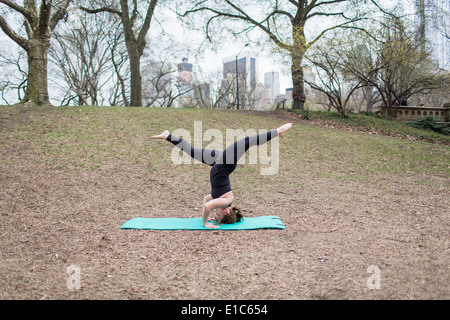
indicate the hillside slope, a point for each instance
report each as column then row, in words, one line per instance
column 71, row 176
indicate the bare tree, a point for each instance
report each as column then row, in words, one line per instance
column 258, row 98
column 15, row 82
column 334, row 81
column 221, row 93
column 135, row 35
column 159, row 76
column 82, row 56
column 226, row 93
column 202, row 96
column 283, row 22
column 120, row 88
column 39, row 24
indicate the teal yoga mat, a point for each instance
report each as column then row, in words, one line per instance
column 248, row 223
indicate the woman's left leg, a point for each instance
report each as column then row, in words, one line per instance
column 234, row 152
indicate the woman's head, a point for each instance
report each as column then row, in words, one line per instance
column 229, row 215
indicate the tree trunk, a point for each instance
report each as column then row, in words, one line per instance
column 370, row 98
column 343, row 112
column 392, row 111
column 37, row 86
column 136, row 79
column 297, row 52
column 298, row 90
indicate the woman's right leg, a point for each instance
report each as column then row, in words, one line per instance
column 206, row 156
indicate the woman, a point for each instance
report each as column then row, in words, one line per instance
column 222, row 165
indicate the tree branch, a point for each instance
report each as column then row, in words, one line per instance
column 281, row 12
column 103, row 9
column 243, row 17
column 340, row 26
column 44, row 17
column 59, row 14
column 26, row 13
column 21, row 41
column 383, row 10
column 146, row 25
column 326, row 2
column 326, row 14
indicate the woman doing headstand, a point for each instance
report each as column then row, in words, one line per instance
column 222, row 163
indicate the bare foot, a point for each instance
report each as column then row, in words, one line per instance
column 283, row 129
column 163, row 135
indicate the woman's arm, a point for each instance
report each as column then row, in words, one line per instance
column 205, row 215
column 214, row 204
column 205, row 200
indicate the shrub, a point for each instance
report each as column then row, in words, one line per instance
column 430, row 123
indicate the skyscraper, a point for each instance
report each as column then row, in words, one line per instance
column 246, row 67
column 433, row 19
column 272, row 83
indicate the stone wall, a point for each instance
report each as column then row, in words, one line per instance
column 413, row 113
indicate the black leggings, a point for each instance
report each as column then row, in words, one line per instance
column 229, row 156
column 223, row 162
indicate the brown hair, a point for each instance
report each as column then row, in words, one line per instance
column 234, row 216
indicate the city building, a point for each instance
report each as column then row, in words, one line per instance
column 246, row 67
column 185, row 72
column 245, row 76
column 272, row 83
column 191, row 94
column 433, row 21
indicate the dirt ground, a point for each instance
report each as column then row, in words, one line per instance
column 388, row 239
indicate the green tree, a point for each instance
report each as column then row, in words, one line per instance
column 395, row 64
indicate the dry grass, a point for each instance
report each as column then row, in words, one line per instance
column 70, row 177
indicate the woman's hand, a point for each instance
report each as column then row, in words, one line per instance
column 211, row 226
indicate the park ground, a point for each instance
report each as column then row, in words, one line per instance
column 367, row 214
